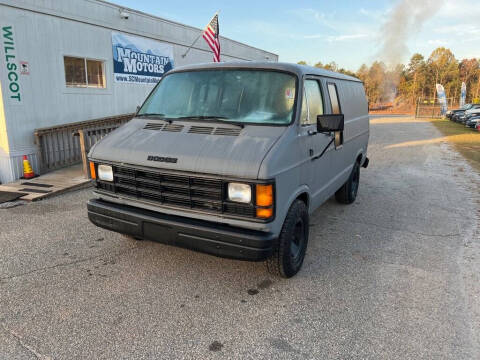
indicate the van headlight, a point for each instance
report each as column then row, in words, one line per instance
column 239, row 192
column 105, row 172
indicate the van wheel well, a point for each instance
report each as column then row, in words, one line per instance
column 303, row 197
column 359, row 159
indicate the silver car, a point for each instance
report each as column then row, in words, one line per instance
column 231, row 159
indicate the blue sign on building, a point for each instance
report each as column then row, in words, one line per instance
column 140, row 60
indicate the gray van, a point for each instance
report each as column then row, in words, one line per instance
column 232, row 158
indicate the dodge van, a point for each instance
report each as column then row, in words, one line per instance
column 231, row 159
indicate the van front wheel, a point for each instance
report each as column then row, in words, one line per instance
column 348, row 192
column 288, row 255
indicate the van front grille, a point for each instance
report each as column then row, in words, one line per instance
column 175, row 190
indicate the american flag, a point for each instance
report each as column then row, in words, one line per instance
column 210, row 34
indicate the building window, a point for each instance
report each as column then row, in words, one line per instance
column 81, row 72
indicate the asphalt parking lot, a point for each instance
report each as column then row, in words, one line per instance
column 396, row 275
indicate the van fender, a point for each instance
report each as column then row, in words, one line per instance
column 360, row 152
column 349, row 168
column 303, row 189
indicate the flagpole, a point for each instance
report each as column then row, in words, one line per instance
column 198, row 37
column 186, row 52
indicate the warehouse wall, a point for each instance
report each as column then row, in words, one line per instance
column 46, row 31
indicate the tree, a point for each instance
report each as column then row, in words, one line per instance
column 413, row 81
column 347, row 72
column 375, row 82
column 302, row 62
column 470, row 74
column 444, row 70
column 332, row 66
column 405, row 84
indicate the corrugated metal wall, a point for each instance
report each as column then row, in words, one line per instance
column 46, row 31
column 12, row 166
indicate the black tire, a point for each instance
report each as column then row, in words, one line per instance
column 348, row 192
column 289, row 252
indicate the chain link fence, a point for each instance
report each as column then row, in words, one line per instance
column 431, row 108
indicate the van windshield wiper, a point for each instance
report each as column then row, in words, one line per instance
column 202, row 117
column 208, row 118
column 151, row 115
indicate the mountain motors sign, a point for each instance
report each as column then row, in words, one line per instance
column 140, row 60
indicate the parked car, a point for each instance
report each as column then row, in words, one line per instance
column 232, row 158
column 473, row 121
column 449, row 114
column 457, row 115
column 469, row 114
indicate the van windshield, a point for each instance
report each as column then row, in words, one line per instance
column 246, row 96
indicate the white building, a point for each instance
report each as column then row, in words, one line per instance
column 57, row 66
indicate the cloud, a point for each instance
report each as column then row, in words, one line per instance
column 309, row 14
column 373, row 14
column 278, row 31
column 459, row 30
column 463, row 10
column 346, row 37
column 315, row 16
column 267, row 28
column 335, row 38
column 365, row 12
column 437, row 42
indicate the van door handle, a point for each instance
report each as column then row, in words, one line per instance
column 312, row 132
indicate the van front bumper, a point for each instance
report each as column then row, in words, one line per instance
column 209, row 237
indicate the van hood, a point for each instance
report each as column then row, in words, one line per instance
column 199, row 147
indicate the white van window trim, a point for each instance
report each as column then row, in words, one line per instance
column 319, row 82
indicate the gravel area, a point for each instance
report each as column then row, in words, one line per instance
column 396, row 275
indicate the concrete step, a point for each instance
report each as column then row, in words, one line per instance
column 51, row 184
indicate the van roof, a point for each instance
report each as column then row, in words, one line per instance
column 297, row 69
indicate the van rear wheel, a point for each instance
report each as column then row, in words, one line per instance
column 288, row 255
column 348, row 192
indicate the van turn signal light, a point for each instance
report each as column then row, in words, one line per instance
column 264, row 213
column 264, row 195
column 264, row 200
column 93, row 174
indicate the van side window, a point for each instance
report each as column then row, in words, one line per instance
column 332, row 92
column 313, row 104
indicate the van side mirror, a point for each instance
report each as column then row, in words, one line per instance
column 330, row 122
column 138, row 109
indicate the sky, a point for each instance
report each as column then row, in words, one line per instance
column 348, row 32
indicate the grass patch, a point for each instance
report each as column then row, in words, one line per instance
column 465, row 140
